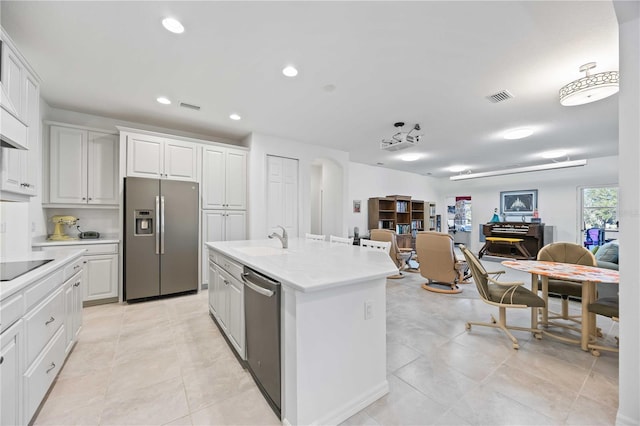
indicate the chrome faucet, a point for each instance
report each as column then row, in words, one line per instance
column 284, row 239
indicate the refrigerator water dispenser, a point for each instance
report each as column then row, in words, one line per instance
column 144, row 222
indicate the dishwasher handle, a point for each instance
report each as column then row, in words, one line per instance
column 256, row 288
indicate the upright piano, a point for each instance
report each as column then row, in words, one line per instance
column 532, row 235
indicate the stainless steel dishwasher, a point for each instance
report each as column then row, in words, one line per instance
column 262, row 324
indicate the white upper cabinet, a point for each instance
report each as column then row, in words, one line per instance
column 224, row 178
column 83, row 166
column 160, row 158
column 19, row 171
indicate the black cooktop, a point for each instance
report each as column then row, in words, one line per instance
column 12, row 270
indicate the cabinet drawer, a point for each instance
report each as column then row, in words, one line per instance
column 72, row 269
column 43, row 322
column 42, row 288
column 231, row 266
column 11, row 310
column 101, row 249
column 39, row 377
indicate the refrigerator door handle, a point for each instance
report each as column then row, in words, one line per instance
column 157, row 224
column 162, row 224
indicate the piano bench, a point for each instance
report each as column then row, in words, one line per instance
column 515, row 242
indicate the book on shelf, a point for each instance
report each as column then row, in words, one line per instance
column 403, row 229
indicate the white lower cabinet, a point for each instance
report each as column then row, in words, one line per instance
column 226, row 300
column 101, row 277
column 11, row 375
column 221, row 225
column 40, row 324
column 73, row 310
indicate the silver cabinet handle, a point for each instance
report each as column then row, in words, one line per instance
column 77, row 284
column 77, row 266
column 1, row 360
column 52, row 319
column 51, row 367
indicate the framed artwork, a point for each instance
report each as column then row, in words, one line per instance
column 356, row 206
column 519, row 203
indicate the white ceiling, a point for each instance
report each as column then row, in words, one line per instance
column 431, row 63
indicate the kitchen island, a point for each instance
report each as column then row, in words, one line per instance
column 333, row 323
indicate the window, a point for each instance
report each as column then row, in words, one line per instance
column 600, row 207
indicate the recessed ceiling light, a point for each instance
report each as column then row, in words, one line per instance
column 456, row 169
column 554, row 154
column 518, row 133
column 173, row 25
column 289, row 71
column 164, row 101
column 235, row 117
column 410, row 157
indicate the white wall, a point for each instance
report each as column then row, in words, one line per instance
column 558, row 201
column 263, row 145
column 371, row 181
column 628, row 14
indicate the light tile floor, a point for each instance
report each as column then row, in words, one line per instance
column 165, row 362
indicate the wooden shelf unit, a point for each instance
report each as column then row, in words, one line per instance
column 401, row 214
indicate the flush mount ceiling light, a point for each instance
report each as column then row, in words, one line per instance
column 457, row 169
column 290, row 71
column 235, row 117
column 589, row 88
column 517, row 133
column 410, row 157
column 539, row 167
column 173, row 25
column 164, row 101
column 554, row 154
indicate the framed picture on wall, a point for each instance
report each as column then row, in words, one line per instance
column 520, row 203
column 356, row 206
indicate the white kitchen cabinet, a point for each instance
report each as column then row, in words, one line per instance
column 221, row 225
column 161, row 158
column 83, row 166
column 226, row 300
column 19, row 176
column 11, row 375
column 101, row 277
column 73, row 310
column 224, row 178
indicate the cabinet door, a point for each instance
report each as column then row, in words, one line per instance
column 102, row 168
column 213, row 178
column 235, row 226
column 212, row 230
column 180, row 159
column 213, row 277
column 11, row 376
column 68, row 165
column 236, row 180
column 235, row 302
column 145, row 156
column 68, row 322
column 101, row 276
column 31, row 161
column 78, row 294
column 12, row 163
column 220, row 297
column 12, row 79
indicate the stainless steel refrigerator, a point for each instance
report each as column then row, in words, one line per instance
column 161, row 237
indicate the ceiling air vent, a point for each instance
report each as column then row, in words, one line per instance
column 503, row 95
column 194, row 107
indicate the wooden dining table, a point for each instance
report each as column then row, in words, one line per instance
column 588, row 276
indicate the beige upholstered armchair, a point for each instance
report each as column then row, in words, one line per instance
column 438, row 263
column 399, row 256
column 502, row 294
column 566, row 253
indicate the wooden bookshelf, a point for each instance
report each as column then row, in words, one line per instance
column 401, row 214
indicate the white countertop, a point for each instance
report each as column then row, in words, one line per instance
column 309, row 265
column 43, row 242
column 60, row 256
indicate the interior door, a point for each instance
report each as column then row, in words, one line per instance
column 282, row 194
